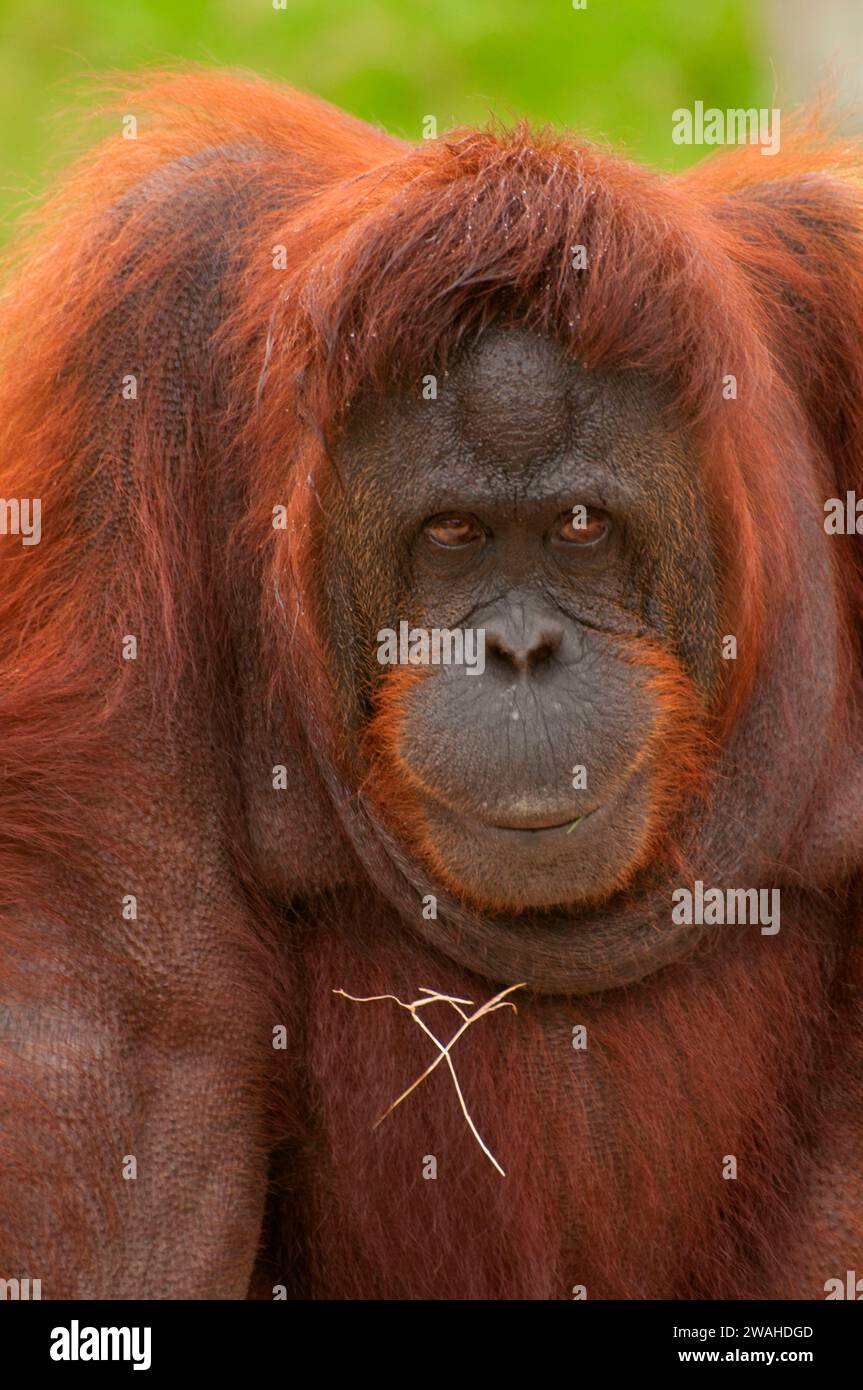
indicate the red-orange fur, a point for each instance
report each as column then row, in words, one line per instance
column 399, row 255
column 613, row 1157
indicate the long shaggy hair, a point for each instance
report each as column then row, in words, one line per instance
column 334, row 262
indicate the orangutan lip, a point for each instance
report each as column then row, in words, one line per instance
column 540, row 827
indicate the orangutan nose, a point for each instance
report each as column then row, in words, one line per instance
column 525, row 639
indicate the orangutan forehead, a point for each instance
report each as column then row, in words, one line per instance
column 516, row 411
column 523, row 396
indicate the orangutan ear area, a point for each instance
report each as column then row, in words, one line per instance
column 431, row 814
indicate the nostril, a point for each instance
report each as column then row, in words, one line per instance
column 499, row 654
column 544, row 651
column 523, row 653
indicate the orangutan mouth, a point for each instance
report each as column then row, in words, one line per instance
column 541, row 827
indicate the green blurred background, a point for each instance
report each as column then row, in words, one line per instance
column 615, row 70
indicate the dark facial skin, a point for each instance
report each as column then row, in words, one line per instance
column 460, row 514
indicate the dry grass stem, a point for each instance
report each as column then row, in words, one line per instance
column 491, row 1006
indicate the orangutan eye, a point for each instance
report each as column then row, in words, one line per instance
column 582, row 526
column 453, row 531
